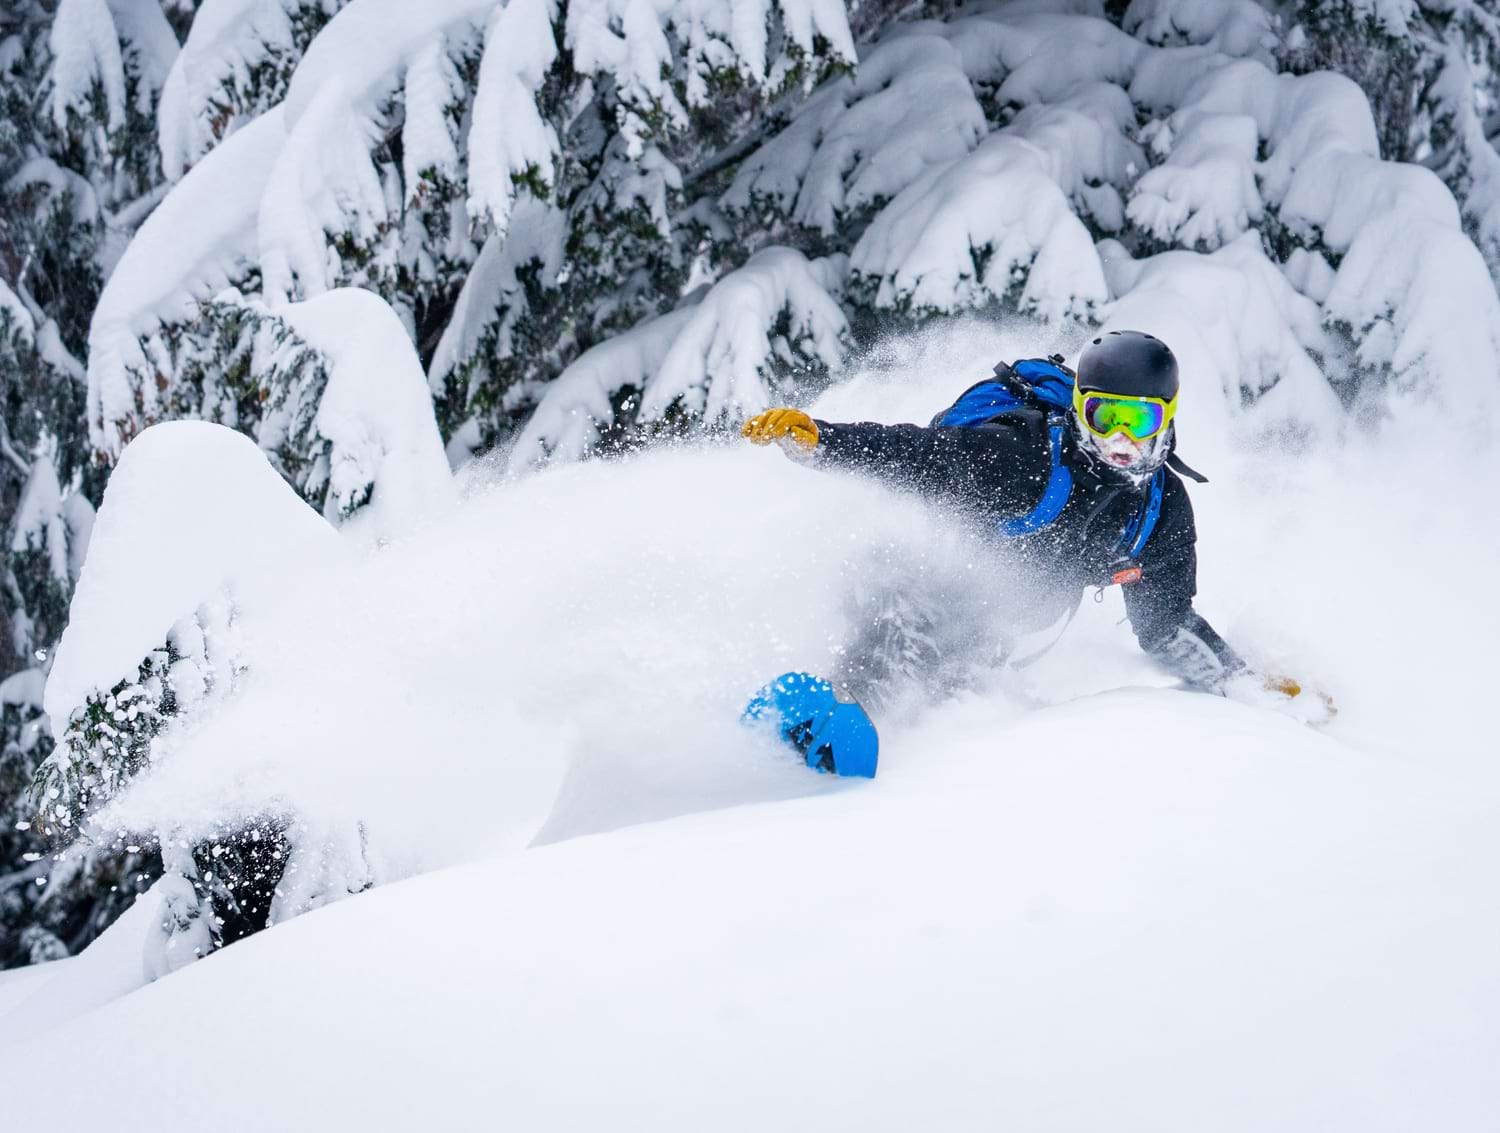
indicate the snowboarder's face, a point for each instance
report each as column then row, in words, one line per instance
column 1121, row 451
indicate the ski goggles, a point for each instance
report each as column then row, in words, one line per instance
column 1139, row 418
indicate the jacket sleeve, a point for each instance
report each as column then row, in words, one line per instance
column 1160, row 604
column 1001, row 467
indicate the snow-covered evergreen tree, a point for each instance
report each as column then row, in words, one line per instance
column 1431, row 71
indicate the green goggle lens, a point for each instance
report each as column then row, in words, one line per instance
column 1140, row 420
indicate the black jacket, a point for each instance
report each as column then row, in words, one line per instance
column 998, row 471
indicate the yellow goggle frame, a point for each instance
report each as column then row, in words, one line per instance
column 1140, row 418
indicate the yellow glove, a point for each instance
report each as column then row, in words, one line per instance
column 1291, row 689
column 782, row 424
column 1284, row 685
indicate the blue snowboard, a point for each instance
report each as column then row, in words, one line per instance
column 832, row 734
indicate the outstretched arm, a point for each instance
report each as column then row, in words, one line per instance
column 1001, row 465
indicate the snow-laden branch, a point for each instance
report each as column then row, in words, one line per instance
column 579, row 406
column 228, row 44
column 719, row 362
column 1204, row 195
column 1087, row 144
column 509, row 143
column 105, row 42
column 626, row 39
column 430, row 137
column 989, row 227
column 1039, row 57
column 39, row 522
column 325, row 181
column 364, row 415
column 863, row 139
column 1472, row 164
column 1406, row 266
column 493, row 297
column 1419, row 303
column 713, row 359
column 1232, row 313
column 22, row 325
column 1234, row 27
column 199, row 240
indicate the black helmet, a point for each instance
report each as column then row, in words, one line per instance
column 1128, row 362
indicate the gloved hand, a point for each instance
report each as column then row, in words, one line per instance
column 786, row 425
column 1282, row 694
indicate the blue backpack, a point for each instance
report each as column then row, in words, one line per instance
column 1046, row 384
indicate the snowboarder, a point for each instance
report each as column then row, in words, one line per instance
column 1077, row 474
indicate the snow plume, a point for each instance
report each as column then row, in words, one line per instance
column 480, row 695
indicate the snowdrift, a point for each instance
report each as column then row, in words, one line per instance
column 1141, row 910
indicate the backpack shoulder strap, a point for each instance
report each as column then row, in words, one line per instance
column 1054, row 496
column 1133, row 541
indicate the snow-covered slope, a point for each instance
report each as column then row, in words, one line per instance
column 1073, row 898
column 1141, row 911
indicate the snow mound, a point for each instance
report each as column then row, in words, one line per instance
column 191, row 510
